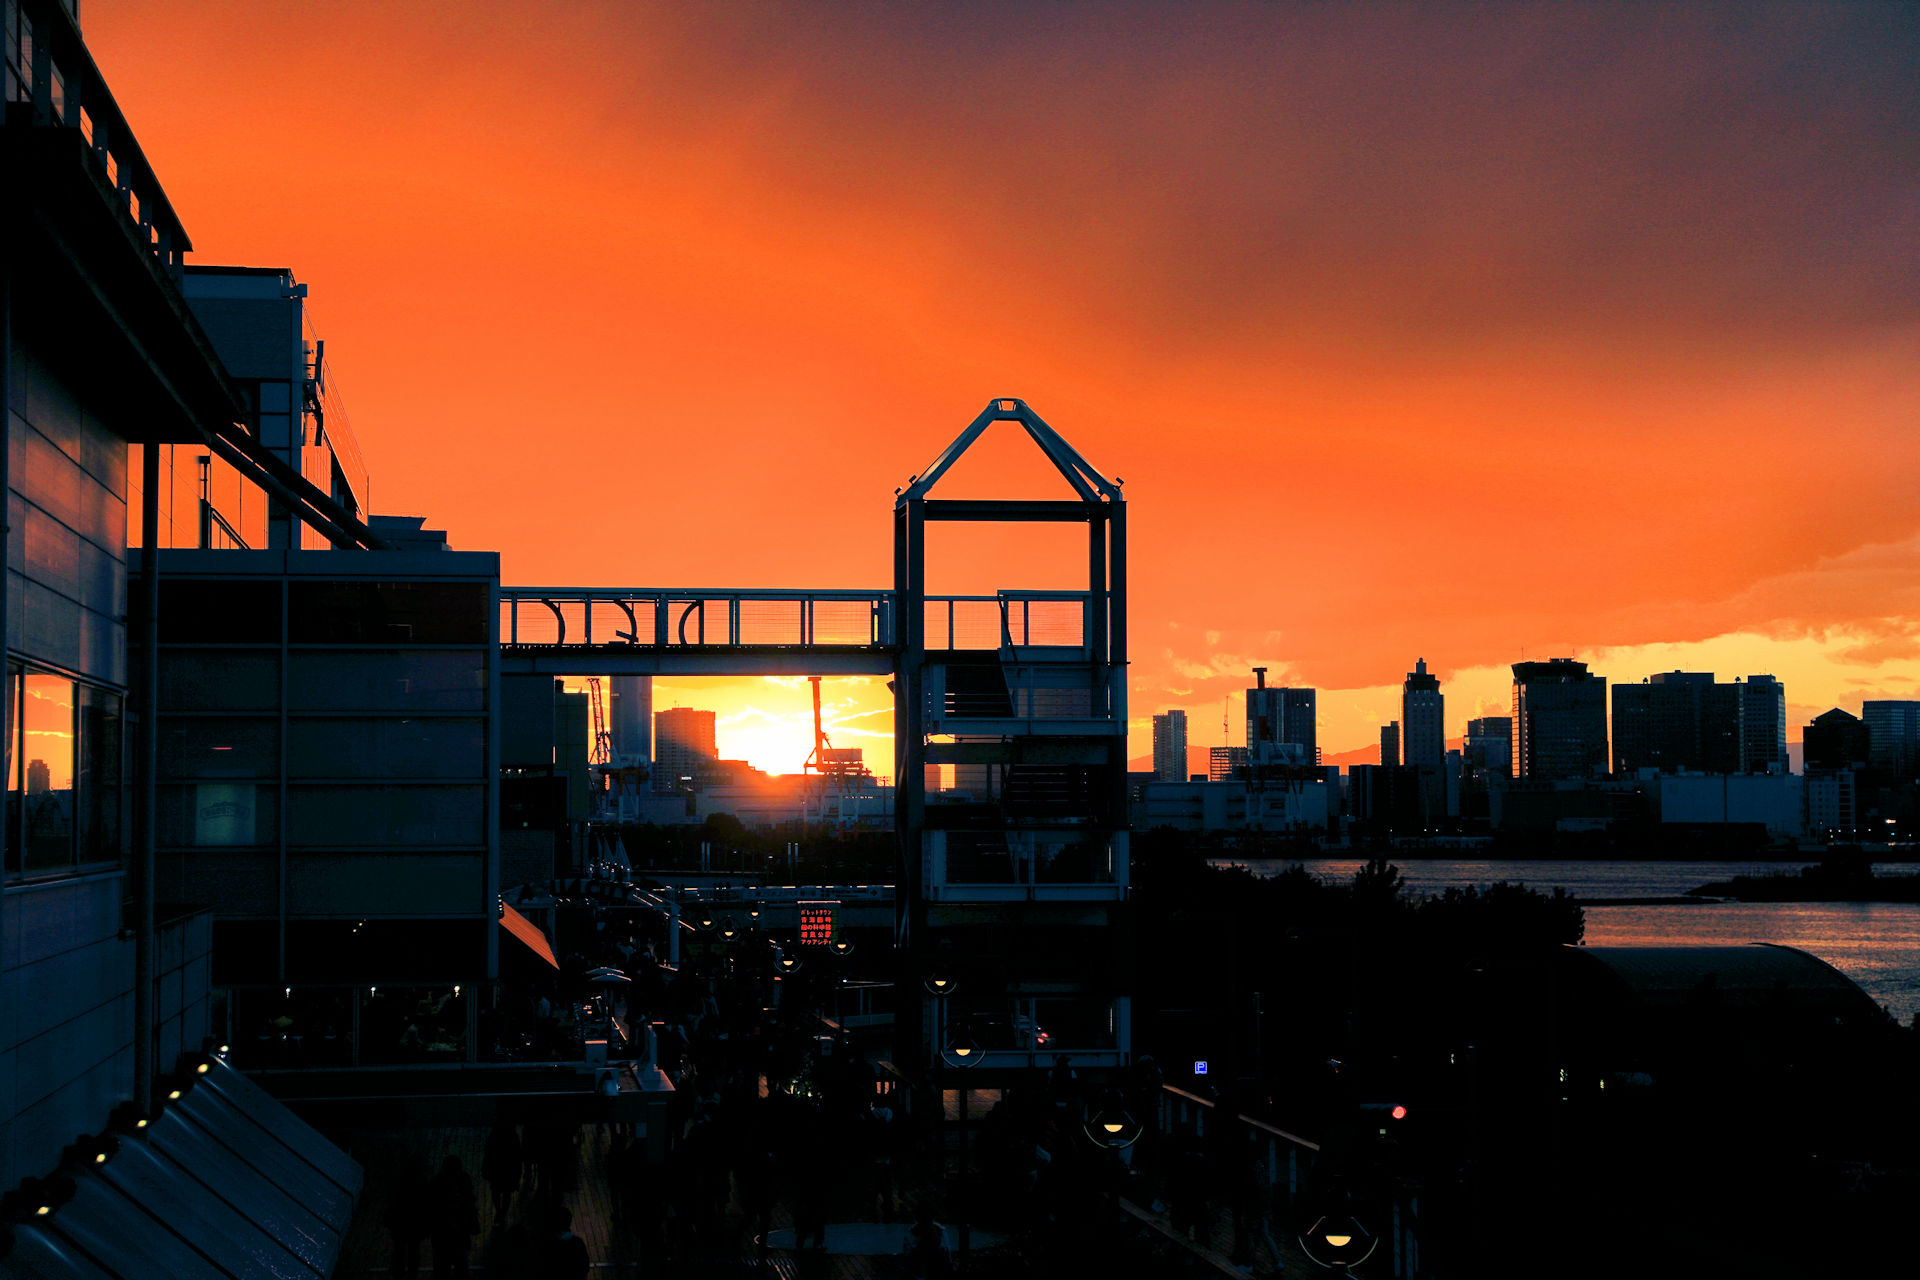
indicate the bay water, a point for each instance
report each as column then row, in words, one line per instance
column 1877, row 944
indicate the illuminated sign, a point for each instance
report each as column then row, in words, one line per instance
column 1200, row 1068
column 818, row 921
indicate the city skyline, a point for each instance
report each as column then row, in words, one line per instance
column 1542, row 308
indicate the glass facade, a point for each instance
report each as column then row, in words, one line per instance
column 326, row 773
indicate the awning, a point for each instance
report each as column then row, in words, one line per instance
column 226, row 1182
column 528, row 932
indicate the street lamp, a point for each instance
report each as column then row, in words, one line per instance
column 1337, row 1241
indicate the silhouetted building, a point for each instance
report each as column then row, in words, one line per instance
column 1280, row 716
column 1836, row 741
column 1657, row 723
column 1225, row 763
column 1423, row 733
column 1489, row 745
column 632, row 718
column 1423, row 739
column 1687, row 721
column 683, row 744
column 1390, row 745
column 1170, row 746
column 1832, row 801
column 1893, row 729
column 1559, row 720
column 1384, row 799
column 1763, row 725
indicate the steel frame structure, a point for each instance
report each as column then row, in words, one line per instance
column 1067, row 727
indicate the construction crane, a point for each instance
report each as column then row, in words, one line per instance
column 601, row 753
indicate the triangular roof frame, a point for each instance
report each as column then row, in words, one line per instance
column 1088, row 483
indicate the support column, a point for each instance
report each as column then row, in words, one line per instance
column 143, row 1064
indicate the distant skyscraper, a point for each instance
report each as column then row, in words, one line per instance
column 1170, row 747
column 1657, row 724
column 1763, row 725
column 1390, row 744
column 1280, row 715
column 683, row 740
column 1225, row 763
column 1559, row 720
column 1490, row 745
column 1836, row 741
column 1893, row 730
column 1423, row 733
column 1687, row 720
column 631, row 716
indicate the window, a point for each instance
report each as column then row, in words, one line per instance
column 63, row 762
column 99, row 777
column 388, row 613
column 46, row 722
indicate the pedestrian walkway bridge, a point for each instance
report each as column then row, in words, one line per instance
column 656, row 631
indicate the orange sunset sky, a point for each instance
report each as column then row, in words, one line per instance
column 1416, row 331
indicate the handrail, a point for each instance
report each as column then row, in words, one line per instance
column 781, row 617
column 67, row 90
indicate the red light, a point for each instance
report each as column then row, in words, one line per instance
column 1399, row 1113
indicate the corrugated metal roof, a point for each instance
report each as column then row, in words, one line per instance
column 212, row 1188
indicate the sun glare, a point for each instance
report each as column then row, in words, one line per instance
column 772, row 744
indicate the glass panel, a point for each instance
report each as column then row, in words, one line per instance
column 387, row 613
column 218, row 813
column 101, row 834
column 386, row 816
column 47, row 723
column 209, row 611
column 235, row 680
column 414, row 1024
column 293, row 1027
column 418, row 680
column 352, row 748
column 12, row 757
column 219, row 747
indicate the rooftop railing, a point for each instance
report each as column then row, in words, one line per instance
column 52, row 83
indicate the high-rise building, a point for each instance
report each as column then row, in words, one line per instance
column 1686, row 720
column 1559, row 720
column 1423, row 733
column 1490, row 745
column 1390, row 744
column 1170, row 746
column 632, row 718
column 1836, row 741
column 1278, row 716
column 1224, row 764
column 1763, row 725
column 1893, row 729
column 1657, row 724
column 683, row 742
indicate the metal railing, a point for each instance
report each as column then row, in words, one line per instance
column 664, row 618
column 57, row 75
column 717, row 618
